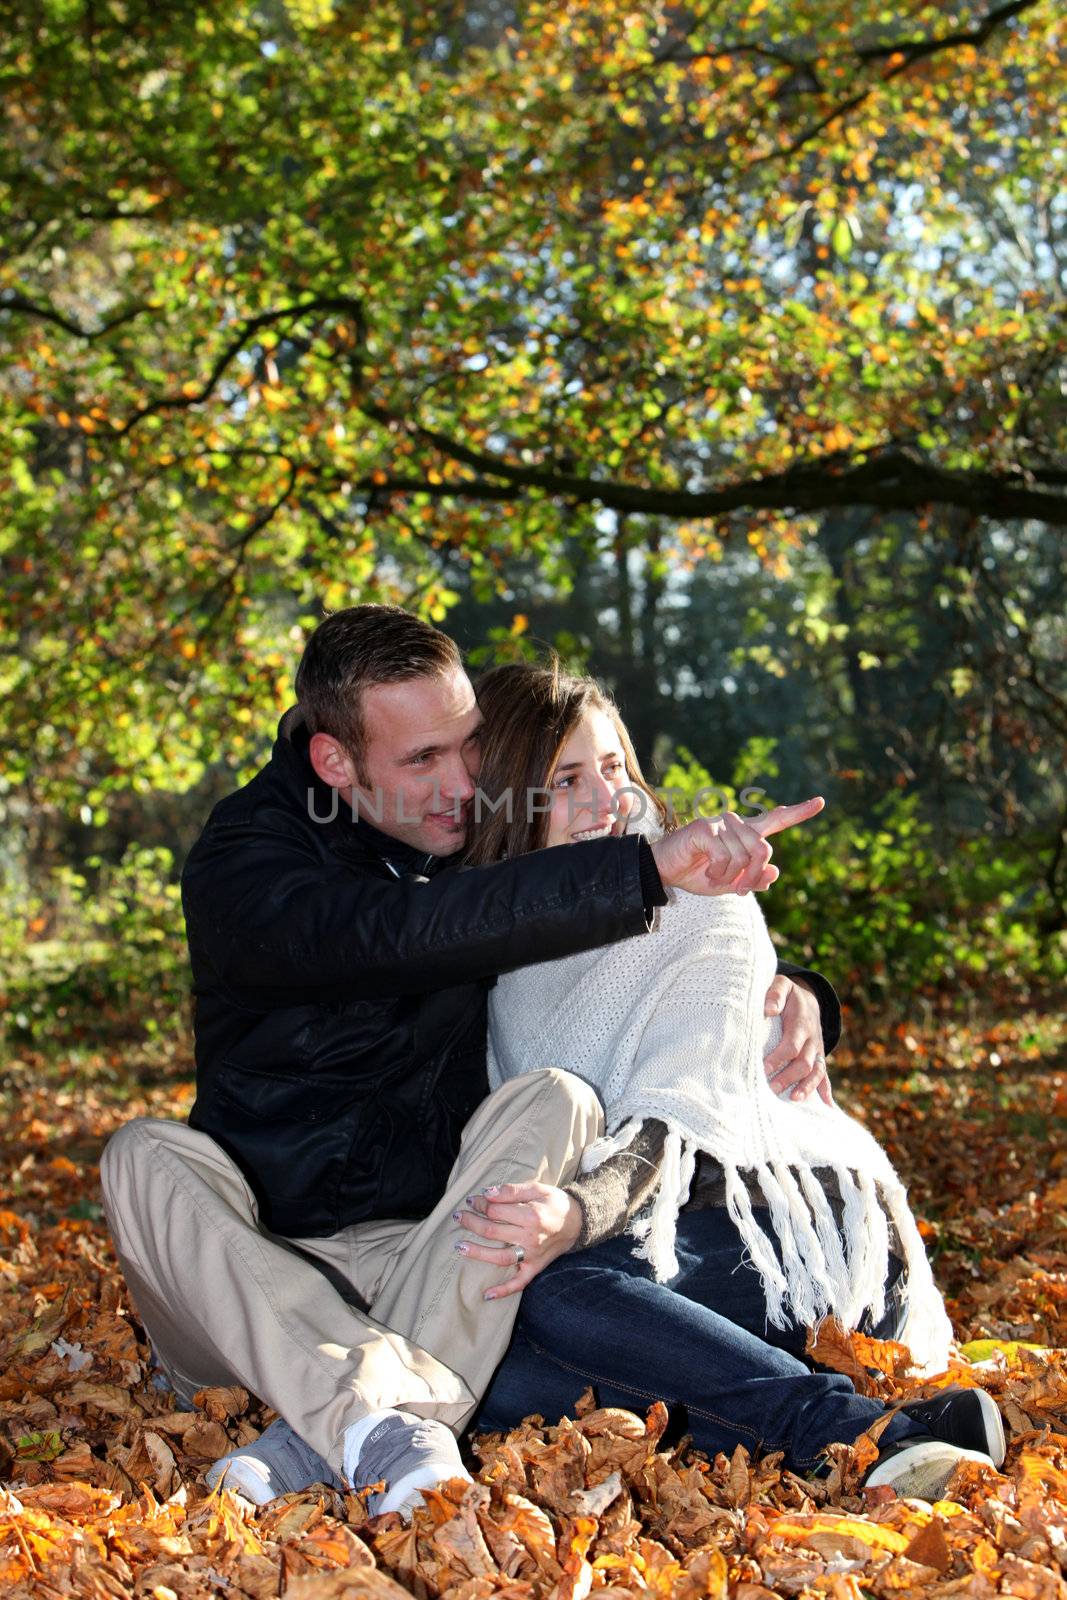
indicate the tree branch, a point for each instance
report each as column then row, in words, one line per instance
column 686, row 58
column 891, row 479
column 180, row 401
column 912, row 51
column 20, row 305
column 455, row 489
column 219, row 595
column 919, row 49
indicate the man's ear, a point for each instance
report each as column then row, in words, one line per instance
column 331, row 761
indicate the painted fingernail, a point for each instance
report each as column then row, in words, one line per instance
column 490, row 1294
column 471, row 1199
column 494, row 1188
column 457, row 1216
column 460, row 1249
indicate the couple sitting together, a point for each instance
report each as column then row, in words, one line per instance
column 470, row 1020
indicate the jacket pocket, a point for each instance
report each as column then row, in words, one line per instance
column 280, row 1043
column 268, row 1095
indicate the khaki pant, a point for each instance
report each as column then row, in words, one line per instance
column 224, row 1301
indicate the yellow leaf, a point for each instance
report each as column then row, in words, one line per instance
column 984, row 1349
column 874, row 1534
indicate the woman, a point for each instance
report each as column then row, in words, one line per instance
column 767, row 1212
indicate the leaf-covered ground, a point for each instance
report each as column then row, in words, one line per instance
column 101, row 1492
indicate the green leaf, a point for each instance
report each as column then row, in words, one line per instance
column 841, row 238
column 40, row 1446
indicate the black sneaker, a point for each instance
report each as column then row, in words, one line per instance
column 967, row 1418
column 920, row 1469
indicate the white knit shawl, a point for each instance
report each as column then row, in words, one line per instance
column 671, row 1027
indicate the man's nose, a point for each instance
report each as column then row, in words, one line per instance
column 457, row 782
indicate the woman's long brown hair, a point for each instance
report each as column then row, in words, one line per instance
column 530, row 712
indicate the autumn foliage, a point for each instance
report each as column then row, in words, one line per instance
column 301, row 300
column 103, row 1492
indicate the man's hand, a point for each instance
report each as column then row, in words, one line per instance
column 727, row 854
column 535, row 1218
column 797, row 1065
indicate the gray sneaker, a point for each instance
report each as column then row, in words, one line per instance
column 920, row 1468
column 279, row 1462
column 406, row 1453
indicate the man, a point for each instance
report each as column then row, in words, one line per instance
column 340, row 969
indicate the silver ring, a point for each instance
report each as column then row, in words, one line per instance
column 520, row 1255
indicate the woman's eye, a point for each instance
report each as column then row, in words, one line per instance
column 563, row 783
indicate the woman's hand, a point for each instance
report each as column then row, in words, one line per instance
column 535, row 1219
column 727, row 854
column 796, row 1067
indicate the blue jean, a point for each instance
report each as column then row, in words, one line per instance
column 701, row 1343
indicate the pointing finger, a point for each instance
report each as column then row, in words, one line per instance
column 783, row 817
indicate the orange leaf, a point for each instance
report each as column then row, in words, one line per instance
column 930, row 1547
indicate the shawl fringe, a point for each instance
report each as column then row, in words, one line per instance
column 809, row 1267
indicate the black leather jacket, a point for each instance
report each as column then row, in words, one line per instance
column 340, row 983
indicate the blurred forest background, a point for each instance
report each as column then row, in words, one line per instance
column 724, row 352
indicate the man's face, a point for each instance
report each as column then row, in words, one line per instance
column 417, row 777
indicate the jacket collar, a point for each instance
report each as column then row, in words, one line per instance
column 291, row 763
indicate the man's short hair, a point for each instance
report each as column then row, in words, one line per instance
column 356, row 648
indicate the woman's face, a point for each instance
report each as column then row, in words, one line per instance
column 585, row 784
